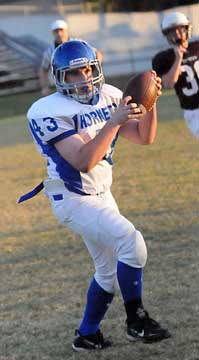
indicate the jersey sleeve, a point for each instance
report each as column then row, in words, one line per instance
column 163, row 61
column 51, row 130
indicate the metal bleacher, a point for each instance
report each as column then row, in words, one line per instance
column 19, row 61
column 128, row 61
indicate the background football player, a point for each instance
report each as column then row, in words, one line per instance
column 76, row 130
column 178, row 66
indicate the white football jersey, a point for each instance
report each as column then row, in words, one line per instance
column 56, row 117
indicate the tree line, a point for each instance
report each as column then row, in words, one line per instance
column 134, row 5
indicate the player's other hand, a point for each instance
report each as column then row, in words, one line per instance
column 179, row 51
column 125, row 111
column 158, row 82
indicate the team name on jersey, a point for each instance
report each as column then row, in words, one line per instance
column 96, row 116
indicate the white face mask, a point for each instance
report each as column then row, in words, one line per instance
column 82, row 91
column 177, row 35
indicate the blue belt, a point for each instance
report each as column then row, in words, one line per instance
column 40, row 187
column 31, row 193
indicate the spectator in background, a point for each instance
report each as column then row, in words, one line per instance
column 60, row 33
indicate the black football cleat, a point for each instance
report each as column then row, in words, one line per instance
column 146, row 329
column 90, row 342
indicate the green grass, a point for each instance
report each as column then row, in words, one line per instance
column 45, row 268
column 18, row 104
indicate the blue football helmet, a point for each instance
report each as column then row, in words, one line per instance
column 75, row 54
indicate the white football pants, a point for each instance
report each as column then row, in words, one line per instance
column 108, row 235
column 192, row 121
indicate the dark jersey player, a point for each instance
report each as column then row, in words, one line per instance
column 178, row 66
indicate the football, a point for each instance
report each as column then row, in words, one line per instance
column 143, row 90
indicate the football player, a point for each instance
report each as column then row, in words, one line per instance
column 76, row 129
column 178, row 66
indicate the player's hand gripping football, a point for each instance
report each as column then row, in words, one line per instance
column 125, row 111
column 158, row 82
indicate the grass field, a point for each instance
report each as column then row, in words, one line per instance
column 45, row 269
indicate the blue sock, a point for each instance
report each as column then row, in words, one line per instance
column 98, row 301
column 130, row 281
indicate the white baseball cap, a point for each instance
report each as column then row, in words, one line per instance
column 59, row 24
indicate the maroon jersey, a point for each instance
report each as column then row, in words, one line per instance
column 187, row 86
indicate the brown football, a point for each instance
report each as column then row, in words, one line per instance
column 143, row 89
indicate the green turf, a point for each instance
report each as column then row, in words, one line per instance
column 45, row 269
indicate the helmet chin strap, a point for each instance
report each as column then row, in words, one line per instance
column 82, row 98
column 85, row 98
column 178, row 42
column 174, row 41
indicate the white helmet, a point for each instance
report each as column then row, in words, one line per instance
column 173, row 20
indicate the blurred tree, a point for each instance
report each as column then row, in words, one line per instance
column 112, row 5
column 134, row 5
